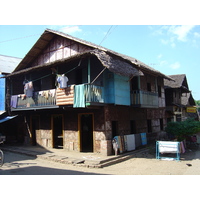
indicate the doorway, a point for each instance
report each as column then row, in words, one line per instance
column 86, row 132
column 35, row 121
column 57, row 131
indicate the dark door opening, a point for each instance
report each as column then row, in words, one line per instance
column 86, row 132
column 57, row 128
column 34, row 129
column 114, row 128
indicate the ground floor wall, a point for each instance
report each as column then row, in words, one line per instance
column 89, row 129
column 129, row 120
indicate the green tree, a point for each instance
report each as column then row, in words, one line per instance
column 183, row 129
column 198, row 104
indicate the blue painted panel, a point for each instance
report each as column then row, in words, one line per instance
column 122, row 90
column 2, row 93
column 116, row 89
column 109, row 92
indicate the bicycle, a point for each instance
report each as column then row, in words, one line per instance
column 1, row 156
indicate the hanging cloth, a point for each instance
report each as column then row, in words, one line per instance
column 144, row 138
column 79, row 96
column 13, row 102
column 62, row 80
column 28, row 89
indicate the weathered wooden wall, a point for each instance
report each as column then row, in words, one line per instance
column 59, row 48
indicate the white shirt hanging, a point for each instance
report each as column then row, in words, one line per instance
column 62, row 80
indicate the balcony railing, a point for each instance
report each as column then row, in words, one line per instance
column 54, row 98
column 94, row 93
column 144, row 99
column 46, row 98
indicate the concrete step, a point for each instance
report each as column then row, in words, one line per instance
column 79, row 162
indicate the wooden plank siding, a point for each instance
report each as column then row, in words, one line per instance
column 65, row 96
column 59, row 48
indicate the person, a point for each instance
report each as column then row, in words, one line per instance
column 115, row 146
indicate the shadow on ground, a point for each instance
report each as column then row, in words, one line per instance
column 17, row 164
column 36, row 170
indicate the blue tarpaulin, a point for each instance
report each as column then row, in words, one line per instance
column 7, row 118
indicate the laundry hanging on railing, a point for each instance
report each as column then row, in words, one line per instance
column 138, row 140
column 28, row 89
column 130, row 142
column 79, row 96
column 144, row 138
column 13, row 102
column 62, row 81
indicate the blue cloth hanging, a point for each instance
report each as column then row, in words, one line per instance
column 79, row 96
column 144, row 138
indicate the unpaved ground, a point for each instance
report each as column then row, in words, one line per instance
column 147, row 164
column 144, row 164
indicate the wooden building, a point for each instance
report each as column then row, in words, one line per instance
column 179, row 99
column 107, row 94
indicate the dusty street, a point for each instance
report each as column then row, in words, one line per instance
column 144, row 164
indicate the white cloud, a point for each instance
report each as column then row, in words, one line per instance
column 171, row 34
column 197, row 35
column 70, row 29
column 175, row 65
column 164, row 41
column 159, row 56
column 170, row 41
column 163, row 62
column 181, row 31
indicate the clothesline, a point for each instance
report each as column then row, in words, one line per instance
column 57, row 73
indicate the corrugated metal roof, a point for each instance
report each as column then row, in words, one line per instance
column 8, row 63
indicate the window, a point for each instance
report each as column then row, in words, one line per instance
column 178, row 118
column 149, row 87
column 149, row 127
column 134, row 83
column 161, row 124
column 159, row 91
column 132, row 127
column 37, row 85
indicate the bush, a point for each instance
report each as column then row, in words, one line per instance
column 183, row 129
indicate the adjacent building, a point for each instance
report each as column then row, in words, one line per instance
column 180, row 104
column 7, row 65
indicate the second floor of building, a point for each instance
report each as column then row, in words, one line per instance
column 95, row 76
column 86, row 83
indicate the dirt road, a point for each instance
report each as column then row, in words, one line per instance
column 144, row 164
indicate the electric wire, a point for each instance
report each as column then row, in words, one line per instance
column 110, row 30
column 27, row 36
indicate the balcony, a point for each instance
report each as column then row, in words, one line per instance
column 144, row 99
column 94, row 94
column 41, row 99
column 74, row 95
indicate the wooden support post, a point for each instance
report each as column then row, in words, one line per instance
column 88, row 70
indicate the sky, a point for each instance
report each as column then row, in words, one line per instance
column 171, row 49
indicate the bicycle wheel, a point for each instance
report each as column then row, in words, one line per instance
column 1, row 158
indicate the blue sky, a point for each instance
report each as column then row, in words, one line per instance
column 171, row 49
